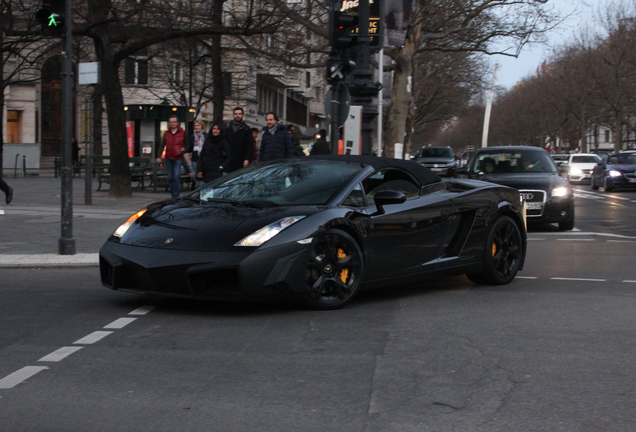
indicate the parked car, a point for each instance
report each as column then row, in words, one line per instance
column 440, row 160
column 531, row 170
column 580, row 166
column 619, row 171
column 317, row 229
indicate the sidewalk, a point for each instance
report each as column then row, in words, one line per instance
column 30, row 227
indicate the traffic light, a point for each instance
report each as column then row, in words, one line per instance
column 342, row 28
column 51, row 17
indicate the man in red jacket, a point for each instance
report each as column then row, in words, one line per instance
column 174, row 140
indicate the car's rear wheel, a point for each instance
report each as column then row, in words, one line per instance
column 503, row 254
column 334, row 270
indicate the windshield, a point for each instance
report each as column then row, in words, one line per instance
column 428, row 152
column 284, row 183
column 585, row 159
column 514, row 162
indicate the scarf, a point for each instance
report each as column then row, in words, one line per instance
column 198, row 141
column 237, row 125
column 273, row 129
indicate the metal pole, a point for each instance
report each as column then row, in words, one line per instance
column 67, row 242
column 363, row 89
column 335, row 113
column 380, row 100
column 88, row 153
column 491, row 91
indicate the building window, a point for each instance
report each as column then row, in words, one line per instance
column 308, row 83
column 14, row 126
column 607, row 135
column 227, row 84
column 136, row 68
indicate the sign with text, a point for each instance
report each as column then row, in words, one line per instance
column 351, row 7
column 88, row 73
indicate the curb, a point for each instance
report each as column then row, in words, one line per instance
column 49, row 260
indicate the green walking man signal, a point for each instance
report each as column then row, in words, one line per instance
column 51, row 17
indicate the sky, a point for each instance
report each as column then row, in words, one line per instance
column 575, row 14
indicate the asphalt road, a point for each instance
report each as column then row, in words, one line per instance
column 552, row 351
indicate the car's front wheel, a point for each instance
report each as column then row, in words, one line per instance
column 503, row 254
column 334, row 271
column 568, row 224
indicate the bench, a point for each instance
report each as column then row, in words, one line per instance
column 159, row 177
column 140, row 169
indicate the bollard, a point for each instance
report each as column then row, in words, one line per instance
column 15, row 166
column 23, row 165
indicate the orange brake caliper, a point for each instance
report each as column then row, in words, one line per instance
column 344, row 274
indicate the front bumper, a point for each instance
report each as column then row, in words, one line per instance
column 554, row 212
column 270, row 274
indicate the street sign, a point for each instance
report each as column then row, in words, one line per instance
column 88, row 73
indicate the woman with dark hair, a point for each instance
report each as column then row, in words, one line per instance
column 214, row 157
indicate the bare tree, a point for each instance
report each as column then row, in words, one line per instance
column 456, row 26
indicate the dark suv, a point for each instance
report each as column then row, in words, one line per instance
column 440, row 160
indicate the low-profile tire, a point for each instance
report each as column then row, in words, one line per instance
column 503, row 254
column 594, row 185
column 568, row 224
column 334, row 270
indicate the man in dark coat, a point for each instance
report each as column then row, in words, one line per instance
column 239, row 137
column 276, row 142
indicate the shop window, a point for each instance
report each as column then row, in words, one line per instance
column 14, row 126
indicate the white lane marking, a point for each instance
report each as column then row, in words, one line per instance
column 535, row 239
column 628, row 281
column 119, row 323
column 574, row 239
column 581, row 233
column 579, row 279
column 525, row 277
column 143, row 310
column 19, row 376
column 92, row 338
column 600, row 195
column 621, row 241
column 60, row 354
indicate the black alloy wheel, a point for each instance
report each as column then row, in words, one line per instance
column 334, row 270
column 503, row 254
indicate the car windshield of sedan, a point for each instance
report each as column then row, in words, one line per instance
column 514, row 162
column 427, row 152
column 585, row 159
column 285, row 183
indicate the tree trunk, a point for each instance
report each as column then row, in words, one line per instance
column 1, row 104
column 216, row 54
column 618, row 131
column 118, row 144
column 400, row 95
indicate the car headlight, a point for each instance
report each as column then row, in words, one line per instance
column 576, row 171
column 614, row 173
column 262, row 235
column 119, row 232
column 561, row 192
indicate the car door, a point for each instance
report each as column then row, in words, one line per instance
column 404, row 238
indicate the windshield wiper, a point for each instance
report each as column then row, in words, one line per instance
column 222, row 200
column 260, row 203
column 189, row 198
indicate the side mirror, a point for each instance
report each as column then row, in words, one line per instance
column 387, row 197
column 462, row 170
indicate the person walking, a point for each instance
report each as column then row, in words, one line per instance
column 174, row 141
column 298, row 149
column 276, row 142
column 321, row 146
column 8, row 191
column 239, row 136
column 214, row 157
column 197, row 139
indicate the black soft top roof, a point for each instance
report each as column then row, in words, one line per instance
column 423, row 175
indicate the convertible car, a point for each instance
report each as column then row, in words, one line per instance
column 318, row 229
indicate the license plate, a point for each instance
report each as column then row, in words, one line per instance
column 631, row 180
column 437, row 169
column 534, row 205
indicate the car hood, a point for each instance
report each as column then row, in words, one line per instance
column 208, row 227
column 536, row 181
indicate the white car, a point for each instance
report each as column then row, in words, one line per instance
column 580, row 167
